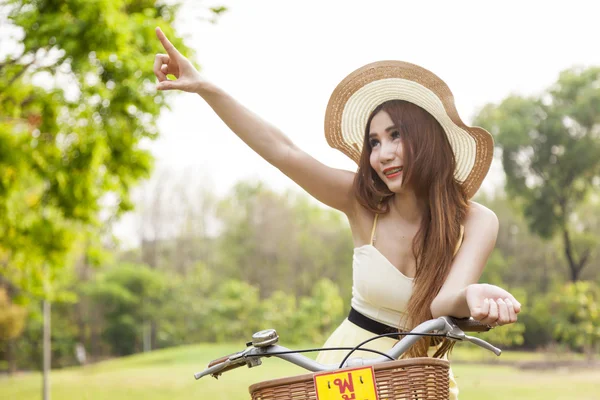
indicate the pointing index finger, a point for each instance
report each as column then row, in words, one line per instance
column 171, row 50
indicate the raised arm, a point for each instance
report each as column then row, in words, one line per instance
column 328, row 185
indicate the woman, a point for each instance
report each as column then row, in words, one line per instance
column 421, row 245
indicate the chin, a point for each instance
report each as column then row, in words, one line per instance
column 396, row 187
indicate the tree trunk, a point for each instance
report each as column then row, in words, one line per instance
column 146, row 337
column 94, row 338
column 10, row 356
column 81, row 325
column 575, row 266
column 47, row 352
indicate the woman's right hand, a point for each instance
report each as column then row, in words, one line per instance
column 174, row 63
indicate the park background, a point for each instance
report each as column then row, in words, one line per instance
column 158, row 241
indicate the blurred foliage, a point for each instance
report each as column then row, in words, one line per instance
column 77, row 100
column 211, row 281
column 129, row 297
column 272, row 240
column 77, row 103
column 12, row 317
column 576, row 315
column 551, row 156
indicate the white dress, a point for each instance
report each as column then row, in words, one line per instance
column 381, row 292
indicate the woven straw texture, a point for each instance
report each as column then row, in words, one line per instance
column 363, row 90
column 413, row 379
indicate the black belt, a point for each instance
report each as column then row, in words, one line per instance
column 371, row 325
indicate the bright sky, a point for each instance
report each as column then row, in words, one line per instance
column 283, row 59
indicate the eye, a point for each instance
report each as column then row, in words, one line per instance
column 396, row 135
column 373, row 142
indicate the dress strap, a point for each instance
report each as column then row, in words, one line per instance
column 373, row 230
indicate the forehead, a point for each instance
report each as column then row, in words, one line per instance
column 380, row 122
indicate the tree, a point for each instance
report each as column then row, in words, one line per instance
column 576, row 316
column 275, row 240
column 77, row 100
column 130, row 297
column 12, row 321
column 551, row 156
column 521, row 258
column 81, row 140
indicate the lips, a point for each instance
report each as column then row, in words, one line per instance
column 392, row 171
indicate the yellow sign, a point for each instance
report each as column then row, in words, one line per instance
column 349, row 384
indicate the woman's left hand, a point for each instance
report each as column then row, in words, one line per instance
column 491, row 304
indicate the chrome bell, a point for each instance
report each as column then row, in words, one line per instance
column 265, row 338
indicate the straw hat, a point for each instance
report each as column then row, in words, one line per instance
column 357, row 96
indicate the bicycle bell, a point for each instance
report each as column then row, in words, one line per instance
column 265, row 338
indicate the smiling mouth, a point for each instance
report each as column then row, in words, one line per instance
column 391, row 172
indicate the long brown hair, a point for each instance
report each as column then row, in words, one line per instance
column 429, row 166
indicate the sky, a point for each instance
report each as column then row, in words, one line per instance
column 282, row 59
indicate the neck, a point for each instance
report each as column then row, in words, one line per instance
column 408, row 206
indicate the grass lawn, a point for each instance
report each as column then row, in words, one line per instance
column 168, row 374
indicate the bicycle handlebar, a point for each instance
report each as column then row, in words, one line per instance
column 450, row 327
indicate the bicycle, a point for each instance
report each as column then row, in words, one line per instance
column 381, row 378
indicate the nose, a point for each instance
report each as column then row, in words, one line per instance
column 388, row 152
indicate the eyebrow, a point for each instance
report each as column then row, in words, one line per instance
column 389, row 128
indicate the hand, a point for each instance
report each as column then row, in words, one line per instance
column 491, row 304
column 174, row 63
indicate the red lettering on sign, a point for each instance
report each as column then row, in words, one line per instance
column 345, row 384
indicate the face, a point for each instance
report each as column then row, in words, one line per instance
column 386, row 151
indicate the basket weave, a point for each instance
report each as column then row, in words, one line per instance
column 410, row 379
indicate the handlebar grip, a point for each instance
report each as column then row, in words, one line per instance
column 232, row 366
column 220, row 360
column 470, row 325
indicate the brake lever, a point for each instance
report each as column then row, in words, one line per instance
column 484, row 344
column 454, row 332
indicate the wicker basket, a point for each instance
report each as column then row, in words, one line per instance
column 410, row 379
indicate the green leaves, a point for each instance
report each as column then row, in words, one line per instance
column 576, row 315
column 68, row 144
column 266, row 235
column 12, row 317
column 128, row 296
column 551, row 152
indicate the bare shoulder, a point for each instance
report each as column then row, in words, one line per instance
column 480, row 211
column 482, row 220
column 361, row 222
